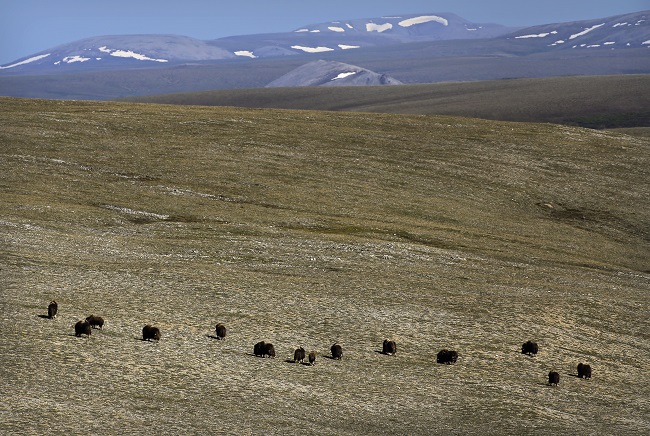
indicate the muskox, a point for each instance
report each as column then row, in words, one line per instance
column 389, row 347
column 584, row 370
column 299, row 355
column 52, row 309
column 263, row 349
column 82, row 328
column 220, row 331
column 447, row 356
column 553, row 378
column 529, row 347
column 150, row 333
column 312, row 357
column 337, row 351
column 95, row 321
column 259, row 349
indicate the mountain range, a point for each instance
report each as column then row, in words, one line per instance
column 401, row 49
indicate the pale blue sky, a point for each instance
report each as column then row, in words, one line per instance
column 30, row 26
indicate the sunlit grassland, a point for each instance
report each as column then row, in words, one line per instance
column 307, row 228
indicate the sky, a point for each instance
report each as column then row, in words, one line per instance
column 31, row 26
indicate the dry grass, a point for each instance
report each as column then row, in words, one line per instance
column 309, row 228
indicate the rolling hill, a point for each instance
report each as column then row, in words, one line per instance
column 306, row 228
column 588, row 101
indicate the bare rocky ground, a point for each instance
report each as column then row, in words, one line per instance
column 309, row 228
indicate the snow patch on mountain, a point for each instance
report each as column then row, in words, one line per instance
column 423, row 19
column 311, row 49
column 245, row 53
column 374, row 27
column 344, row 75
column 585, row 31
column 26, row 61
column 129, row 54
column 539, row 35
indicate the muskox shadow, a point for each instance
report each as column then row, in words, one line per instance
column 216, row 338
column 44, row 316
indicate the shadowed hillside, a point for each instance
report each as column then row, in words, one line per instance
column 306, row 228
column 588, row 101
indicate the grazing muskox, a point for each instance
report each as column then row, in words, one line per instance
column 529, row 347
column 82, row 328
column 337, row 351
column 447, row 356
column 312, row 357
column 52, row 309
column 553, row 378
column 263, row 349
column 95, row 321
column 389, row 347
column 259, row 349
column 584, row 370
column 299, row 355
column 150, row 333
column 220, row 331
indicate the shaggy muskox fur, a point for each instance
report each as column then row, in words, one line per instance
column 530, row 348
column 259, row 349
column 312, row 357
column 553, row 378
column 447, row 356
column 263, row 349
column 52, row 309
column 82, row 328
column 337, row 351
column 220, row 331
column 95, row 321
column 299, row 355
column 150, row 333
column 584, row 370
column 389, row 347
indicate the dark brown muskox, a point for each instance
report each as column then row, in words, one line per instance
column 553, row 378
column 82, row 328
column 150, row 333
column 259, row 349
column 52, row 309
column 337, row 351
column 220, row 331
column 299, row 355
column 263, row 349
column 389, row 347
column 447, row 356
column 95, row 321
column 312, row 357
column 530, row 348
column 584, row 370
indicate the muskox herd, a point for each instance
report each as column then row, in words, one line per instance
column 266, row 349
column 530, row 348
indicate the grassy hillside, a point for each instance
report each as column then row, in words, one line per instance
column 309, row 228
column 587, row 101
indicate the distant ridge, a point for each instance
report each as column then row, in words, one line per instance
column 411, row 49
column 331, row 73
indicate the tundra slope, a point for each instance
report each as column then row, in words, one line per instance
column 316, row 228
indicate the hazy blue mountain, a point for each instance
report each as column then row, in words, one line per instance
column 410, row 49
column 619, row 32
column 331, row 73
